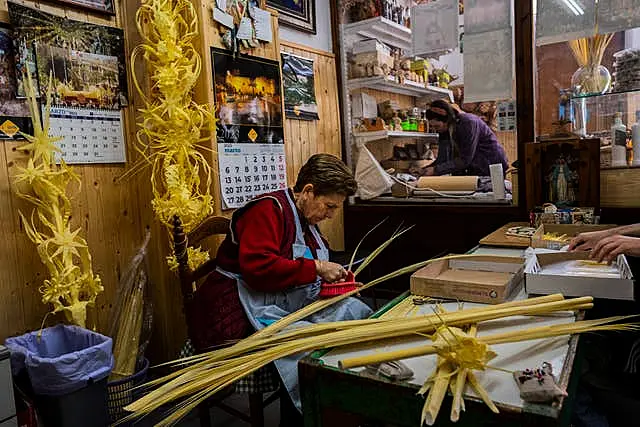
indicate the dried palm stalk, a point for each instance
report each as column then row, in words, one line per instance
column 174, row 129
column 219, row 369
column 72, row 286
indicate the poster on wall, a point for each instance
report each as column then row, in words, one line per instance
column 103, row 6
column 488, row 66
column 14, row 113
column 250, row 133
column 298, row 79
column 87, row 67
column 617, row 15
column 438, row 29
column 486, row 15
column 81, row 57
column 558, row 21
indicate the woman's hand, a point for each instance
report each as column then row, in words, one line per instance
column 586, row 241
column 330, row 271
column 609, row 248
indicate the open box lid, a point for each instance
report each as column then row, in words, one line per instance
column 538, row 282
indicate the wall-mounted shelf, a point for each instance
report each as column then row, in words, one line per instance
column 385, row 134
column 389, row 84
column 382, row 29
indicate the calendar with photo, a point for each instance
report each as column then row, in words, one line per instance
column 249, row 170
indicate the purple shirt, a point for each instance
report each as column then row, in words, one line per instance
column 477, row 148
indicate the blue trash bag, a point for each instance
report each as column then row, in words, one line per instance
column 65, row 359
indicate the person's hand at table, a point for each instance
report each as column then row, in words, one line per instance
column 586, row 241
column 609, row 248
column 330, row 272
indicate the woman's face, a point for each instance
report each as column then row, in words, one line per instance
column 318, row 208
column 437, row 126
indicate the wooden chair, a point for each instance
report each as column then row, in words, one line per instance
column 216, row 225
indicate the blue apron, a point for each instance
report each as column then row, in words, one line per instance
column 264, row 308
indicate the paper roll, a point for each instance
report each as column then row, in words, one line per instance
column 449, row 183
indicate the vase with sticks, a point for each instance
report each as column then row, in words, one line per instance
column 591, row 77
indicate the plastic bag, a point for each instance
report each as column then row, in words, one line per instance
column 63, row 360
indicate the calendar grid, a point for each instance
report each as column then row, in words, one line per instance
column 249, row 170
column 89, row 135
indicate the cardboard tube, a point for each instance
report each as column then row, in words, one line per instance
column 449, row 183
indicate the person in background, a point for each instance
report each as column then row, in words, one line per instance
column 467, row 146
column 272, row 263
column 606, row 245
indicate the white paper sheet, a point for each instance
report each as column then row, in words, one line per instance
column 500, row 385
column 222, row 18
column 558, row 21
column 618, row 15
column 486, row 15
column 488, row 66
column 435, row 27
column 245, row 29
column 262, row 24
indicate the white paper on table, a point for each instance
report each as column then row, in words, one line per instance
column 245, row 29
column 488, row 66
column 438, row 27
column 500, row 385
column 262, row 24
column 557, row 22
column 618, row 15
column 486, row 15
column 222, row 18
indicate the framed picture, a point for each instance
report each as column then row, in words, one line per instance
column 102, row 6
column 567, row 173
column 299, row 14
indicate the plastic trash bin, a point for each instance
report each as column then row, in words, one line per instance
column 66, row 370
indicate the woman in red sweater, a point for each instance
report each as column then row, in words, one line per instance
column 273, row 261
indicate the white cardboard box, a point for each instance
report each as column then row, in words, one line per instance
column 364, row 106
column 540, row 283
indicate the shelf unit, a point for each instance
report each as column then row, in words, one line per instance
column 386, row 134
column 383, row 29
column 389, row 84
column 394, row 35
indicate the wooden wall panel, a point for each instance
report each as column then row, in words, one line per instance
column 303, row 138
column 112, row 214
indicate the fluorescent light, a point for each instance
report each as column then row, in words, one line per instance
column 577, row 7
column 571, row 7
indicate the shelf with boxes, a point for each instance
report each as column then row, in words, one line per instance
column 382, row 29
column 409, row 88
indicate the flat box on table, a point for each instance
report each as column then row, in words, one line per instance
column 483, row 279
column 571, row 230
column 539, row 283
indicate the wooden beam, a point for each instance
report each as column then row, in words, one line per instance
column 524, row 88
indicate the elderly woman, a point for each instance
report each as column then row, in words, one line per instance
column 467, row 146
column 273, row 261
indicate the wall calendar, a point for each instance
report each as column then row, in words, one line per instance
column 249, row 170
column 88, row 135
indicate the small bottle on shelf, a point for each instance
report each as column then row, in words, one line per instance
column 635, row 140
column 407, row 17
column 394, row 11
column 618, row 142
column 421, row 123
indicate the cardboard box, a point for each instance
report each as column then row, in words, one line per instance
column 540, row 281
column 363, row 106
column 370, row 45
column 483, row 279
column 571, row 230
